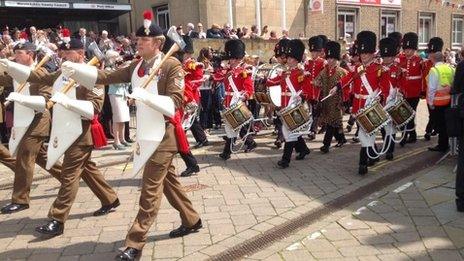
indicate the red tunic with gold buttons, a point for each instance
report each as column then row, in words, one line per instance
column 373, row 74
column 411, row 80
column 426, row 66
column 298, row 78
column 391, row 76
column 241, row 76
column 193, row 80
column 312, row 69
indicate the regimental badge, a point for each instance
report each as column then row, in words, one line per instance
column 68, row 46
column 55, row 142
column 137, row 149
column 244, row 74
column 147, row 31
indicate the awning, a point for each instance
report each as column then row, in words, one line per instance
column 72, row 11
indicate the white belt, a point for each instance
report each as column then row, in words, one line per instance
column 361, row 96
column 414, row 77
column 229, row 93
column 289, row 94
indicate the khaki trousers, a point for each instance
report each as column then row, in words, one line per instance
column 159, row 177
column 77, row 164
column 31, row 150
column 6, row 159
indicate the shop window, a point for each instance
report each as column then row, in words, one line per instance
column 162, row 16
column 426, row 28
column 458, row 23
column 347, row 23
column 388, row 22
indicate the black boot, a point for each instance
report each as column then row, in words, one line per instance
column 324, row 149
column 53, row 228
column 107, row 209
column 190, row 170
column 427, row 136
column 13, row 207
column 278, row 144
column 251, row 146
column 389, row 156
column 128, row 254
column 302, row 155
column 371, row 162
column 282, row 164
column 362, row 170
column 183, row 230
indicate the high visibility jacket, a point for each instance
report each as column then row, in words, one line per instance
column 445, row 75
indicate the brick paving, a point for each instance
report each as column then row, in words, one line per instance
column 237, row 200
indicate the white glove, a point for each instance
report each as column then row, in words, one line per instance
column 67, row 68
column 60, row 98
column 138, row 94
column 15, row 97
column 17, row 71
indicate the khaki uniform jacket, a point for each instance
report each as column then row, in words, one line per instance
column 170, row 83
column 42, row 76
column 40, row 126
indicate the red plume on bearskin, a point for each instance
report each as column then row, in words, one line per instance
column 23, row 37
column 147, row 17
column 66, row 35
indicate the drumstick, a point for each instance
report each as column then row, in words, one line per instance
column 71, row 82
column 45, row 59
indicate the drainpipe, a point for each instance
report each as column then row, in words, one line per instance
column 258, row 15
column 283, row 15
column 231, row 18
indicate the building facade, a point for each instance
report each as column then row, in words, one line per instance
column 337, row 19
column 94, row 15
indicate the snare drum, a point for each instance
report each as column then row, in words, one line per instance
column 265, row 71
column 294, row 117
column 401, row 113
column 372, row 117
column 237, row 115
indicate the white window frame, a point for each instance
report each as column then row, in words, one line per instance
column 425, row 16
column 348, row 10
column 162, row 11
column 389, row 13
column 454, row 33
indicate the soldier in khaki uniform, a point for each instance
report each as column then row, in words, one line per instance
column 159, row 173
column 6, row 159
column 31, row 149
column 77, row 161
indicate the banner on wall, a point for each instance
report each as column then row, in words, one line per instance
column 383, row 3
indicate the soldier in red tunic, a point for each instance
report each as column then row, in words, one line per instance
column 312, row 69
column 236, row 76
column 411, row 80
column 291, row 94
column 366, row 85
column 391, row 73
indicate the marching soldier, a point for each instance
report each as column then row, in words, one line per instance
column 437, row 44
column 159, row 176
column 243, row 83
column 348, row 92
column 280, row 55
column 312, row 69
column 292, row 84
column 31, row 148
column 193, row 81
column 391, row 75
column 411, row 80
column 331, row 109
column 77, row 161
column 190, row 100
column 366, row 84
column 398, row 37
column 439, row 81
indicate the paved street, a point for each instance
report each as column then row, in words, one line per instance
column 245, row 198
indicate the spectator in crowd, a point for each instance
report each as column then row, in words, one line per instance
column 127, row 51
column 273, row 35
column 214, row 32
column 201, row 33
column 33, row 35
column 85, row 41
column 233, row 34
column 226, row 31
column 206, row 96
column 42, row 38
column 254, row 32
column 190, row 30
column 264, row 32
column 105, row 43
column 239, row 32
column 245, row 33
column 284, row 34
